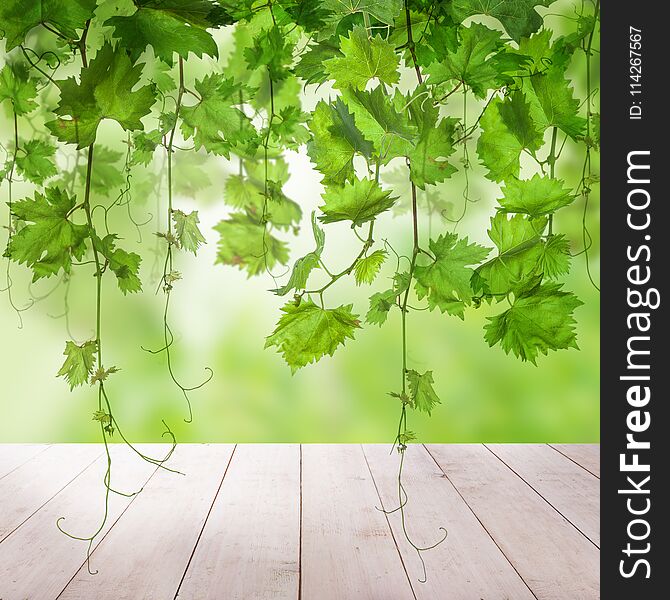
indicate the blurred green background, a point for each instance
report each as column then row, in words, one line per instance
column 221, row 318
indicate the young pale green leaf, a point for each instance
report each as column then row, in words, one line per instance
column 518, row 17
column 50, row 240
column 18, row 88
column 538, row 196
column 359, row 202
column 18, row 17
column 367, row 268
column 125, row 265
column 446, row 281
column 421, row 392
column 215, row 123
column 159, row 25
column 247, row 244
column 35, row 161
column 79, row 362
column 307, row 332
column 104, row 91
column 539, row 320
column 363, row 59
column 305, row 265
column 187, row 231
column 336, row 140
column 380, row 305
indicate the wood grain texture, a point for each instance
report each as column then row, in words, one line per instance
column 146, row 553
column 15, row 455
column 26, row 566
column 585, row 455
column 555, row 560
column 27, row 488
column 347, row 547
column 250, row 546
column 468, row 564
column 571, row 490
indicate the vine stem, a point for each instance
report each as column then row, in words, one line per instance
column 551, row 159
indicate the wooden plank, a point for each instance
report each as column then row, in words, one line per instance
column 347, row 547
column 555, row 560
column 468, row 563
column 40, row 560
column 13, row 456
column 30, row 486
column 571, row 490
column 250, row 547
column 146, row 553
column 585, row 455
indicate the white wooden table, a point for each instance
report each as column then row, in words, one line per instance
column 299, row 522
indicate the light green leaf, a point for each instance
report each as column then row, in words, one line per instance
column 555, row 259
column 18, row 88
column 367, row 268
column 307, row 332
column 421, row 392
column 50, row 240
column 363, row 59
column 247, row 244
column 538, row 321
column 359, row 202
column 305, row 265
column 79, row 362
column 187, row 231
column 125, row 265
column 446, row 281
column 540, row 195
column 35, row 161
column 383, row 10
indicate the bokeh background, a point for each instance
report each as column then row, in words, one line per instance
column 221, row 318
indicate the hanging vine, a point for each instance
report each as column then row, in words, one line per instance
column 387, row 76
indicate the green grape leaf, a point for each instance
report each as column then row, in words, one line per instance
column 163, row 30
column 520, row 248
column 470, row 62
column 144, row 146
column 18, row 17
column 189, row 236
column 50, row 240
column 125, row 265
column 289, row 129
column 555, row 105
column 79, row 362
column 538, row 321
column 446, row 281
column 246, row 244
column 363, row 59
column 305, row 265
column 307, row 332
column 428, row 159
column 359, row 201
column 555, row 259
column 383, row 122
column 421, row 392
column 380, row 305
column 271, row 49
column 540, row 195
column 215, row 123
column 367, row 268
column 336, row 140
column 382, row 10
column 36, row 162
column 18, row 88
column 106, row 175
column 104, row 91
column 518, row 17
column 310, row 66
column 507, row 128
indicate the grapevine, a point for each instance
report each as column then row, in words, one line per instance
column 410, row 95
